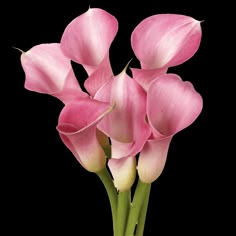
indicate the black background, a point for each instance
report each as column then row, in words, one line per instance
column 46, row 190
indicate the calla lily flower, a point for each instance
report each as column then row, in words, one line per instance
column 172, row 105
column 86, row 40
column 126, row 124
column 77, row 128
column 48, row 71
column 166, row 40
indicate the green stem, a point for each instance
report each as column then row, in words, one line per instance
column 105, row 177
column 143, row 213
column 122, row 211
column 140, row 195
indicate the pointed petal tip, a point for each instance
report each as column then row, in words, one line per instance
column 18, row 49
column 126, row 67
column 86, row 42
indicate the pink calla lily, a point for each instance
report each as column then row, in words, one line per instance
column 77, row 128
column 126, row 125
column 48, row 71
column 87, row 39
column 172, row 105
column 165, row 40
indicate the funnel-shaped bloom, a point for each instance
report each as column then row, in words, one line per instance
column 48, row 71
column 77, row 128
column 172, row 105
column 165, row 40
column 86, row 40
column 126, row 125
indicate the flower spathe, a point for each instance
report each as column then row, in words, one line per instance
column 77, row 120
column 172, row 105
column 48, row 71
column 166, row 40
column 120, row 117
column 127, row 123
column 87, row 43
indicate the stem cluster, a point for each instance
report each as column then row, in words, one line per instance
column 128, row 213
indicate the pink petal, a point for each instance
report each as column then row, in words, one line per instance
column 87, row 39
column 145, row 76
column 77, row 129
column 152, row 159
column 172, row 104
column 127, row 122
column 123, row 172
column 48, row 71
column 166, row 40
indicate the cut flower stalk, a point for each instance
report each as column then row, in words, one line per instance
column 128, row 214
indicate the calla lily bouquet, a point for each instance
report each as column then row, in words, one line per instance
column 120, row 126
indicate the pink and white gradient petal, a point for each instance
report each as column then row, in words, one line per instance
column 123, row 172
column 77, row 128
column 127, row 123
column 48, row 71
column 87, row 40
column 166, row 40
